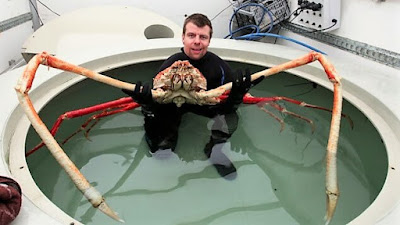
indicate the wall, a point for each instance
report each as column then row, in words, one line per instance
column 174, row 10
column 368, row 21
column 375, row 23
column 12, row 39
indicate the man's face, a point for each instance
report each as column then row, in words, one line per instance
column 196, row 40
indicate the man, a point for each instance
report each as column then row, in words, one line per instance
column 162, row 120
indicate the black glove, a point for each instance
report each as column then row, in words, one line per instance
column 143, row 96
column 240, row 86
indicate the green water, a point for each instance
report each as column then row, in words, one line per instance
column 280, row 176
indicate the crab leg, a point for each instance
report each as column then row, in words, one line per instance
column 22, row 88
column 249, row 99
column 331, row 184
column 116, row 106
column 96, row 118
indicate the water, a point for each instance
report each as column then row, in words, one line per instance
column 280, row 176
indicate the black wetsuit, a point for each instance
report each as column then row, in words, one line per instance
column 162, row 120
column 162, row 124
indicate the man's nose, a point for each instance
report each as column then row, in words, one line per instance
column 197, row 39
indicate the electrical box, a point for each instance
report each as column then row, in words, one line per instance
column 253, row 12
column 322, row 15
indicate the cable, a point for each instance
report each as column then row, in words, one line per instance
column 265, row 10
column 222, row 10
column 313, row 86
column 37, row 12
column 255, row 27
column 47, row 7
column 279, row 30
column 295, row 13
column 257, row 35
column 311, row 6
column 326, row 28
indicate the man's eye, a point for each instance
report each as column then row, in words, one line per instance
column 203, row 37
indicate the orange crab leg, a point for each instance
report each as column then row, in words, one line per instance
column 331, row 185
column 123, row 104
column 23, row 86
column 248, row 99
column 25, row 83
column 96, row 118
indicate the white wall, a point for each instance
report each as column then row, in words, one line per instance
column 368, row 21
column 174, row 10
column 375, row 23
column 11, row 40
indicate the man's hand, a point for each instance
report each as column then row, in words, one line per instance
column 241, row 85
column 141, row 94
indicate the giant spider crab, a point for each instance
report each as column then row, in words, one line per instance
column 180, row 83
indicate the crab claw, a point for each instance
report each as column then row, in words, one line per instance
column 97, row 201
column 331, row 201
column 109, row 212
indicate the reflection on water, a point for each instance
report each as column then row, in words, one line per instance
column 280, row 177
